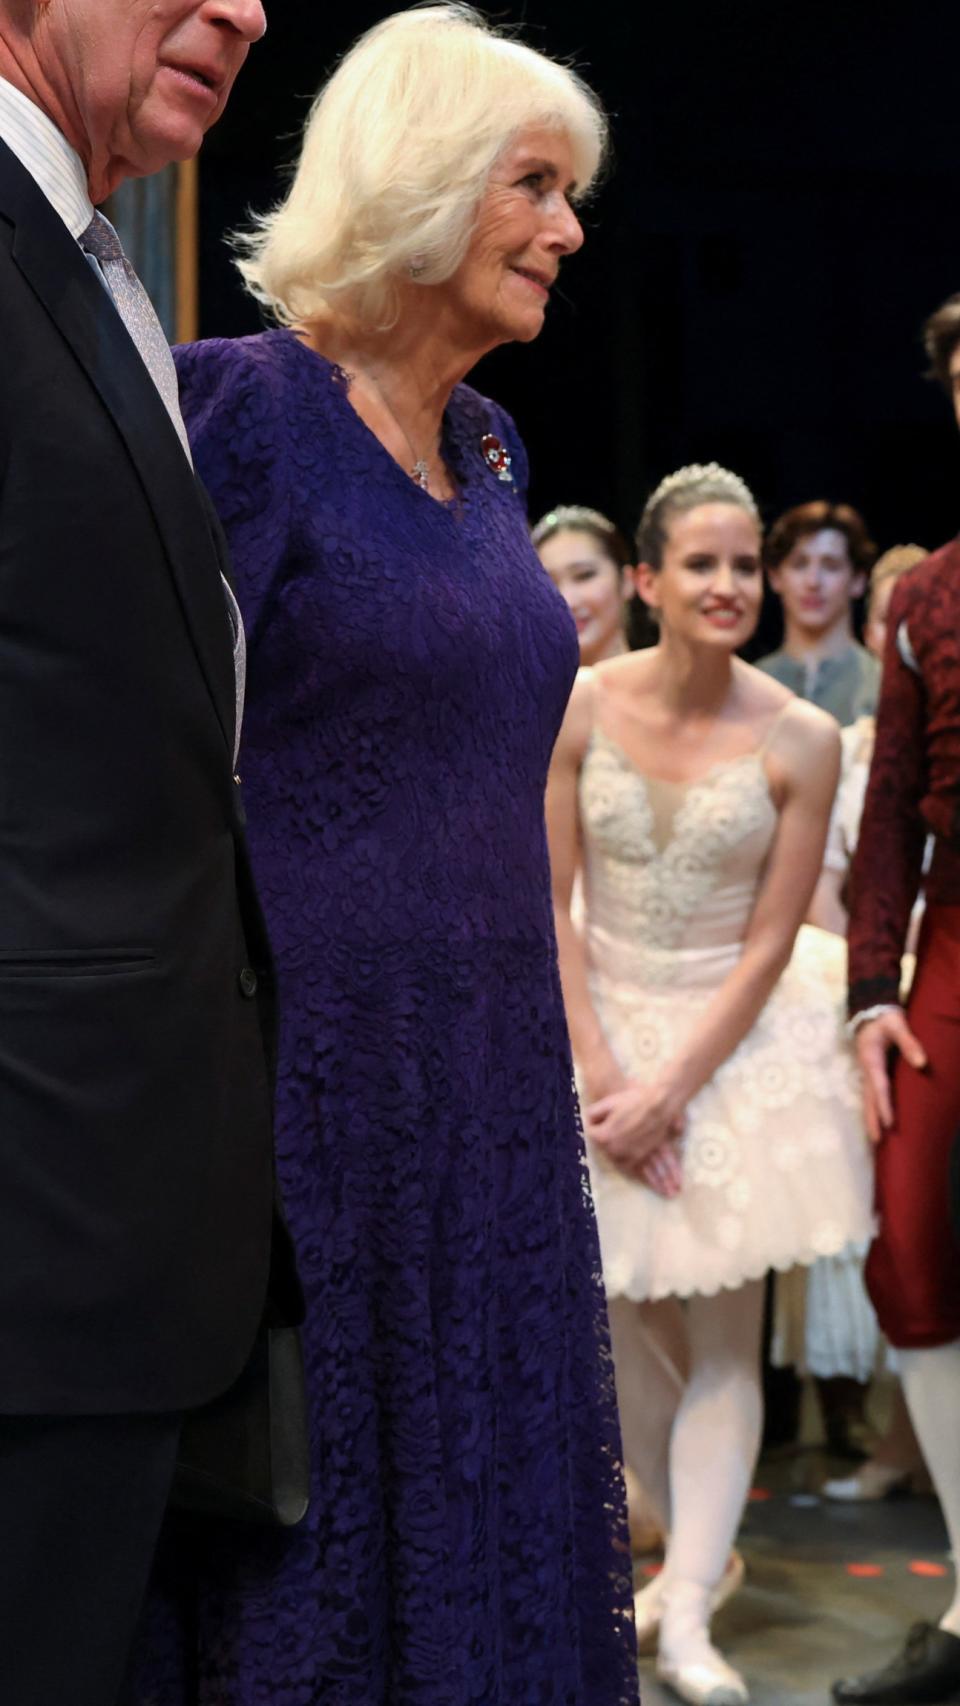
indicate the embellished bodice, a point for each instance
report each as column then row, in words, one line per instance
column 671, row 869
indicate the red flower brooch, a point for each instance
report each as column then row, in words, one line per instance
column 497, row 458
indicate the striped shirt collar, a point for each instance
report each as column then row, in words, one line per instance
column 47, row 156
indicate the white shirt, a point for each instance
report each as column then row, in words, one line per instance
column 47, row 155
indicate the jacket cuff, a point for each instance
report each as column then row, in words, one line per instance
column 866, row 1014
column 873, row 992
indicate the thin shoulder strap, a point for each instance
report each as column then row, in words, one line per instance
column 765, row 744
column 598, row 699
column 587, row 673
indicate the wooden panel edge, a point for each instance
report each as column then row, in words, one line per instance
column 187, row 259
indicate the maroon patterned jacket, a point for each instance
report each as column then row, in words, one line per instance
column 914, row 786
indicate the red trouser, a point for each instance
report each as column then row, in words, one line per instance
column 913, row 1270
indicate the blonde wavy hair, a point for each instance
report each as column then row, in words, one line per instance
column 890, row 567
column 397, row 152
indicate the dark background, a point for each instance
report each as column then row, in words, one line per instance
column 782, row 213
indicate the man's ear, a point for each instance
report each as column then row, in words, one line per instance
column 858, row 583
column 773, row 576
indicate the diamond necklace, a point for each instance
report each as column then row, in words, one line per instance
column 420, row 472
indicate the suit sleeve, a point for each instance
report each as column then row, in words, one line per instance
column 888, row 864
column 235, row 421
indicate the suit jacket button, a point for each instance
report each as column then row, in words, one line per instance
column 248, row 982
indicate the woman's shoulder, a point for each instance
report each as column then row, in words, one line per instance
column 809, row 725
column 791, row 722
column 624, row 677
column 579, row 717
column 234, row 394
column 475, row 418
column 471, row 405
column 626, row 669
column 224, row 366
column 618, row 685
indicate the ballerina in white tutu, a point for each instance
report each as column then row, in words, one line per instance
column 721, row 1103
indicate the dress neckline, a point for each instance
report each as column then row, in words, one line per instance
column 755, row 755
column 340, row 387
column 600, row 736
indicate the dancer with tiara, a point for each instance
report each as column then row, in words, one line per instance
column 588, row 560
column 720, row 1101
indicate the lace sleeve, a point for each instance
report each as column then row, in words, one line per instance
column 234, row 418
column 889, row 858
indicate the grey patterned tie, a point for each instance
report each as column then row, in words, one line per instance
column 140, row 318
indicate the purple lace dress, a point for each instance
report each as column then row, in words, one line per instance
column 409, row 666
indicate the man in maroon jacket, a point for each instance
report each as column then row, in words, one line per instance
column 910, row 1058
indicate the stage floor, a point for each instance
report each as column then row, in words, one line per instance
column 802, row 1618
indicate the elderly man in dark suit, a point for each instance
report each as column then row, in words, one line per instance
column 135, row 986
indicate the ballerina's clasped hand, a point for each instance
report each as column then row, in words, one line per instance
column 638, row 1128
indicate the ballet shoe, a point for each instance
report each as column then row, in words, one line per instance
column 703, row 1677
column 648, row 1602
column 688, row 1661
column 871, row 1481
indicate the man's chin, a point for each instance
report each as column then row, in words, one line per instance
column 818, row 629
column 175, row 137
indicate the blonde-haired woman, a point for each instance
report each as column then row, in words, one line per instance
column 409, row 662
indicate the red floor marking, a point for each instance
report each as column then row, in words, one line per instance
column 923, row 1567
column 864, row 1569
column 759, row 1495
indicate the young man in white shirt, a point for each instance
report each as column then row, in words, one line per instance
column 818, row 558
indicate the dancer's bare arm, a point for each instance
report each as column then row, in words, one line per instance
column 598, row 1067
column 803, row 765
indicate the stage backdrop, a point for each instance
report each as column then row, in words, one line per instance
column 157, row 222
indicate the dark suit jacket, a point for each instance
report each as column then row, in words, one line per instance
column 136, row 988
column 914, row 786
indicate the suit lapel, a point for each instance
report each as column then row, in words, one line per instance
column 79, row 306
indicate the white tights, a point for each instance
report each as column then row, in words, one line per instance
column 931, row 1385
column 688, row 1386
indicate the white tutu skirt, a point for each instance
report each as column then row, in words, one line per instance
column 776, row 1165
